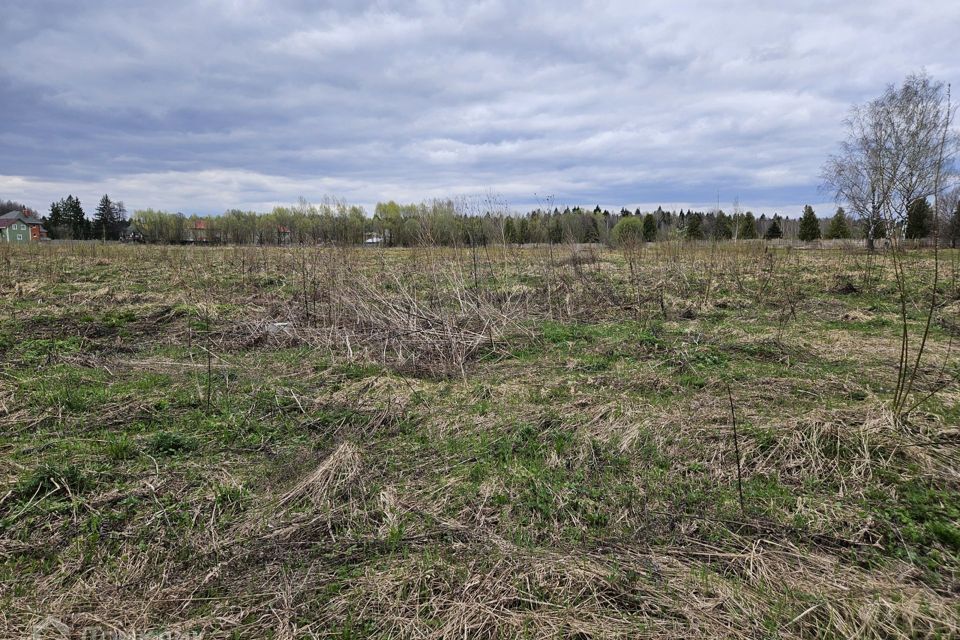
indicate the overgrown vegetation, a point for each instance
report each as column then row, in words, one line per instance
column 481, row 442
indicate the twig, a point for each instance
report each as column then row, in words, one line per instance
column 736, row 445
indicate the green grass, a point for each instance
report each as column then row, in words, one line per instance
column 577, row 475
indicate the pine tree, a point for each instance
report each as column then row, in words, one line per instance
column 774, row 231
column 588, row 230
column 839, row 228
column 748, row 227
column 56, row 221
column 694, row 227
column 919, row 219
column 556, row 231
column 509, row 231
column 103, row 221
column 523, row 231
column 77, row 219
column 649, row 228
column 722, row 227
column 809, row 225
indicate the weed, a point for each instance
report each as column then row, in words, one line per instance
column 167, row 443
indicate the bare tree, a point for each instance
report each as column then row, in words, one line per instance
column 898, row 148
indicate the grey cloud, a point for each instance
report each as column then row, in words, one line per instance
column 201, row 106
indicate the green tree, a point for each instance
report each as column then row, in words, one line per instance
column 67, row 220
column 694, row 227
column 919, row 219
column 509, row 231
column 104, row 221
column 748, row 227
column 77, row 219
column 523, row 230
column 775, row 230
column 56, row 224
column 649, row 227
column 629, row 231
column 839, row 227
column 809, row 225
column 556, row 230
column 722, row 227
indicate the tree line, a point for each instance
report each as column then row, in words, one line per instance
column 464, row 222
column 68, row 221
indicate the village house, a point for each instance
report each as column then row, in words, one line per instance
column 17, row 227
column 197, row 232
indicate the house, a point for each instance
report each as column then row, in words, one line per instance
column 197, row 232
column 131, row 235
column 18, row 227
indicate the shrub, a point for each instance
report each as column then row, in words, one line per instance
column 167, row 443
column 52, row 479
column 628, row 231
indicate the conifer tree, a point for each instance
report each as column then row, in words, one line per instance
column 509, row 231
column 722, row 227
column 103, row 219
column 748, row 227
column 919, row 219
column 809, row 225
column 774, row 231
column 839, row 227
column 56, row 222
column 694, row 227
column 649, row 228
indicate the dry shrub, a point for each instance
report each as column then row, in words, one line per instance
column 414, row 334
column 856, row 316
column 333, row 475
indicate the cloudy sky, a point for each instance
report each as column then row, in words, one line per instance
column 208, row 105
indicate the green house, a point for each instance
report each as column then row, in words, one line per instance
column 18, row 228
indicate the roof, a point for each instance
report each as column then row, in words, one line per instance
column 8, row 219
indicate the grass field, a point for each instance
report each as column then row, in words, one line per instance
column 432, row 443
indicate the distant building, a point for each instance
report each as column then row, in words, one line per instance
column 198, row 232
column 17, row 227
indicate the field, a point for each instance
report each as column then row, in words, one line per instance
column 678, row 440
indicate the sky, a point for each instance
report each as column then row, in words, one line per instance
column 208, row 105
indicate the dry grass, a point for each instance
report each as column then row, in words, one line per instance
column 316, row 443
